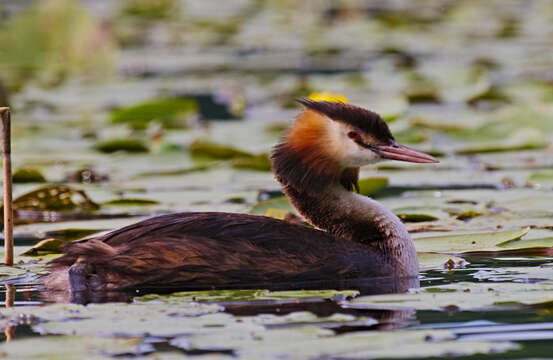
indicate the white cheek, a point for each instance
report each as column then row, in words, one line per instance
column 346, row 150
column 360, row 157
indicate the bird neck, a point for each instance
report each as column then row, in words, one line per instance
column 346, row 214
column 324, row 197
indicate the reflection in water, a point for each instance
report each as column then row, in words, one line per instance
column 9, row 331
column 366, row 286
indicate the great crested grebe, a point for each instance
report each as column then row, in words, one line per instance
column 317, row 163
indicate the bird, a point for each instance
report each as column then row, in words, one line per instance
column 317, row 163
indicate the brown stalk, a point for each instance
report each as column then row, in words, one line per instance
column 8, row 211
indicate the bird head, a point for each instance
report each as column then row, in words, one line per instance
column 329, row 138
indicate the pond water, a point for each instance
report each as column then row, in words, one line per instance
column 173, row 106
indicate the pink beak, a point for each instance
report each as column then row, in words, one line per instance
column 403, row 153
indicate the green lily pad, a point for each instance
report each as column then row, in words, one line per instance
column 467, row 215
column 47, row 246
column 70, row 347
column 413, row 214
column 28, row 175
column 282, row 203
column 321, row 343
column 463, row 243
column 542, row 177
column 212, row 150
column 54, row 198
column 462, row 296
column 416, row 217
column 259, row 162
column 71, row 234
column 421, row 89
column 429, row 260
column 493, row 147
column 123, row 144
column 176, row 172
column 139, row 319
column 145, row 9
column 11, row 272
column 171, row 113
column 244, row 295
column 131, row 202
column 369, row 186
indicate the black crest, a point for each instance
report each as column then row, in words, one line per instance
column 363, row 119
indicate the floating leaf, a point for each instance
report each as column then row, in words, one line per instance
column 171, row 113
column 212, row 150
column 176, row 172
column 85, row 175
column 462, row 243
column 421, row 89
column 492, row 94
column 282, row 203
column 124, row 144
column 243, row 295
column 467, row 215
column 462, row 296
column 131, row 202
column 280, row 214
column 444, row 261
column 542, row 177
column 28, row 175
column 147, row 9
column 11, row 272
column 411, row 217
column 70, row 347
column 71, row 234
column 259, row 162
column 369, row 186
column 413, row 214
column 492, row 147
column 47, row 246
column 55, row 198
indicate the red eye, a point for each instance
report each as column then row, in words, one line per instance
column 353, row 135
